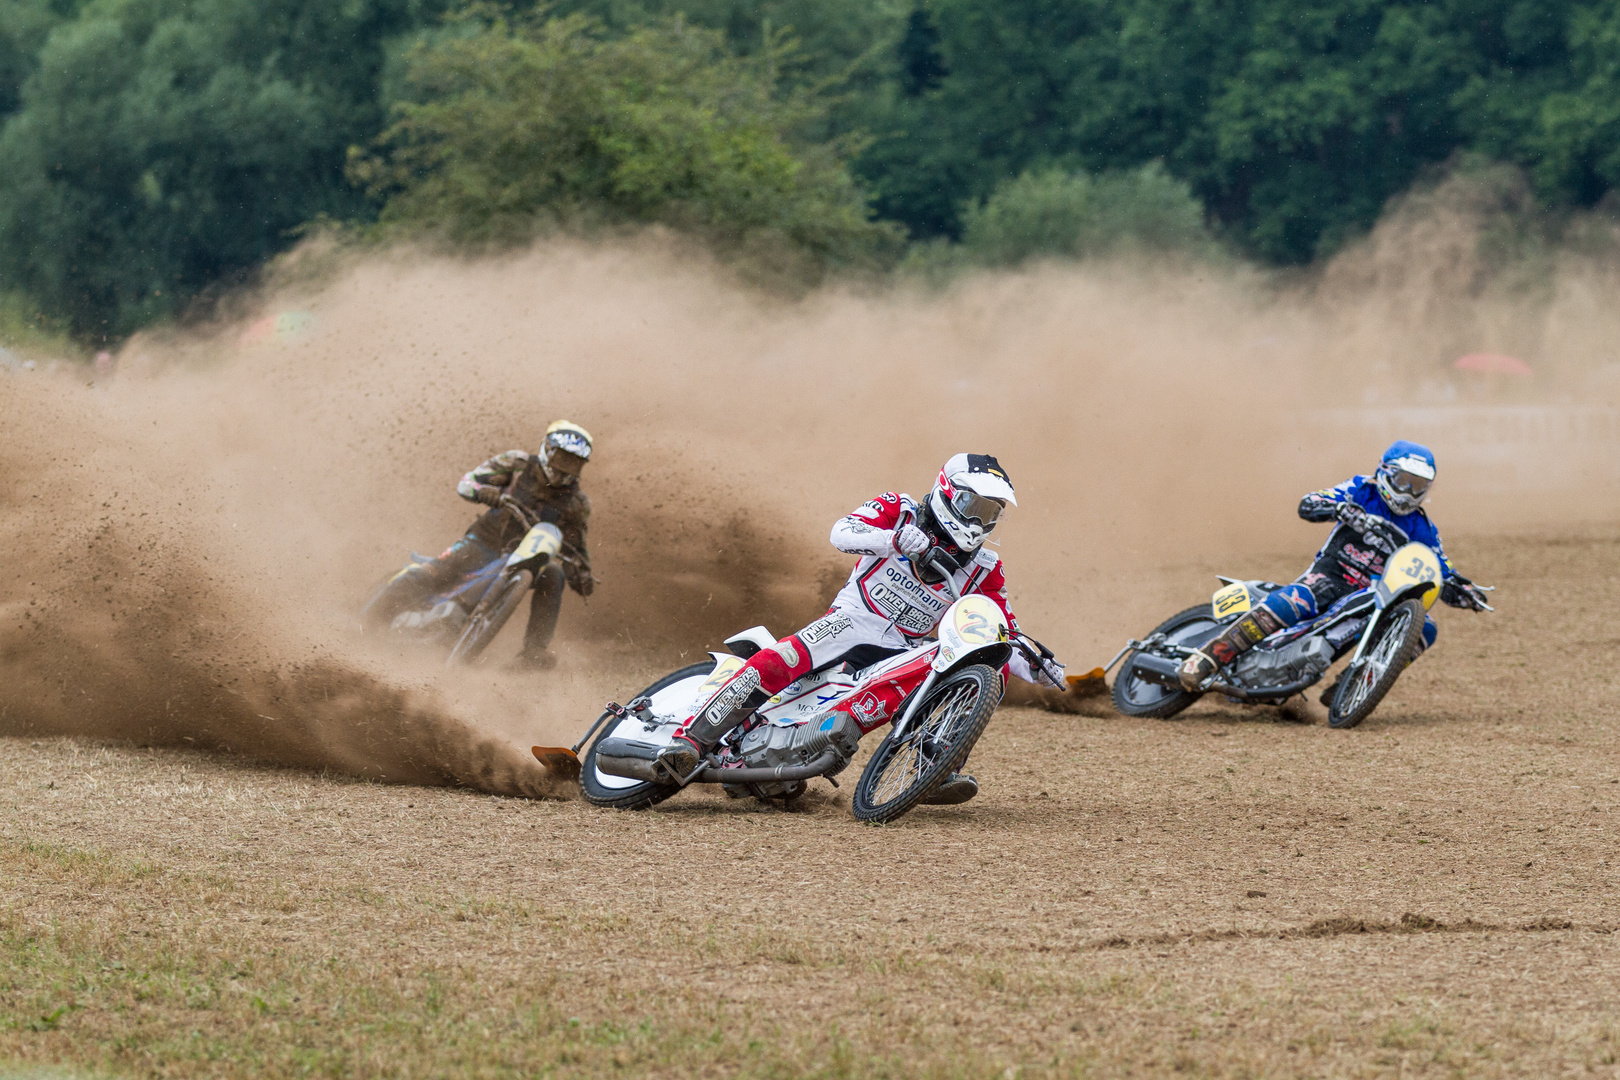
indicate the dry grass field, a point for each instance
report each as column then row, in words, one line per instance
column 1228, row 894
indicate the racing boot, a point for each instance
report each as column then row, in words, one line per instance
column 1239, row 638
column 733, row 704
column 954, row 789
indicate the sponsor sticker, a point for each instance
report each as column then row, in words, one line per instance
column 824, row 628
column 868, row 708
column 746, row 682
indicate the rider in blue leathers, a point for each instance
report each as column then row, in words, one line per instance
column 1364, row 507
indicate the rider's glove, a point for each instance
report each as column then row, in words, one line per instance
column 1051, row 673
column 910, row 540
column 1044, row 665
column 1353, row 516
column 489, row 495
column 579, row 576
column 1459, row 592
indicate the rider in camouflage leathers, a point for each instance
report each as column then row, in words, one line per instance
column 545, row 485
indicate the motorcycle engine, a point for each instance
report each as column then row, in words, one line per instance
column 772, row 745
column 1306, row 658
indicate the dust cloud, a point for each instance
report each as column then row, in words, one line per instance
column 188, row 541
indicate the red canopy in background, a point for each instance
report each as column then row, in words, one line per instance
column 1495, row 363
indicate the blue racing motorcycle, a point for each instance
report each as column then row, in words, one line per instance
column 1380, row 627
column 467, row 615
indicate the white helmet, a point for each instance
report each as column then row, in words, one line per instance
column 968, row 499
column 564, row 452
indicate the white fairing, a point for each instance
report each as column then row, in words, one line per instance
column 667, row 703
column 972, row 623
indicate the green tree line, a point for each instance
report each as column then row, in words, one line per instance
column 154, row 150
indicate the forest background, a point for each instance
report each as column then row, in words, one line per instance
column 154, row 154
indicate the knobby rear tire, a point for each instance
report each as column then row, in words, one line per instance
column 1169, row 702
column 490, row 616
column 639, row 796
column 1356, row 701
column 943, row 732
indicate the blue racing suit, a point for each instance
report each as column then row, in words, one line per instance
column 1348, row 561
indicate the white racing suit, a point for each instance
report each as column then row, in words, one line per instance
column 884, row 608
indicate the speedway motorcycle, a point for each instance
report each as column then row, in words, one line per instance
column 1381, row 627
column 469, row 614
column 937, row 699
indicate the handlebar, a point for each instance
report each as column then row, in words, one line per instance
column 513, row 507
column 930, row 559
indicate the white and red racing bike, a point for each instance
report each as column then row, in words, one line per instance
column 937, row 698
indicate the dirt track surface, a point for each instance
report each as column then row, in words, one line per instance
column 1431, row 894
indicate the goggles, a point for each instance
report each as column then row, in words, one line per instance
column 564, row 461
column 1409, row 483
column 971, row 506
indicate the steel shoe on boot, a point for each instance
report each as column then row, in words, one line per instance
column 955, row 788
column 679, row 760
column 1195, row 669
column 730, row 706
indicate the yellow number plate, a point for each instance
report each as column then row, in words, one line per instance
column 1232, row 600
column 979, row 621
column 724, row 670
column 544, row 538
column 1414, row 564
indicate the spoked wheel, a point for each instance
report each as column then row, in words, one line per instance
column 489, row 616
column 948, row 722
column 674, row 691
column 1136, row 696
column 1365, row 682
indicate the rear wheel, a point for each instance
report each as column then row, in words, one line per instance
column 1366, row 681
column 946, row 725
column 392, row 595
column 489, row 616
column 627, row 793
column 1137, row 696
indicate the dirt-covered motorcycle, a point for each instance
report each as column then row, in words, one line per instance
column 1381, row 626
column 947, row 691
column 467, row 615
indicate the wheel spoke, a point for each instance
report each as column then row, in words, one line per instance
column 1376, row 663
column 909, row 762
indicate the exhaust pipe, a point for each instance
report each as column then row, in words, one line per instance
column 1156, row 669
column 634, row 761
column 817, row 766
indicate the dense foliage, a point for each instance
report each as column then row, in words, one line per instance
column 161, row 146
column 153, row 148
column 512, row 127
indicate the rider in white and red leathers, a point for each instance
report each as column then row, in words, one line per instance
column 889, row 604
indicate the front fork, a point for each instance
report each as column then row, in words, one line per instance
column 917, row 696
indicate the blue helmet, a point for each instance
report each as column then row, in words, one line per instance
column 1404, row 476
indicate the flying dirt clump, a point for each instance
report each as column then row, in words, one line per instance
column 189, row 542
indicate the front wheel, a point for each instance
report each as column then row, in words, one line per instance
column 1136, row 696
column 943, row 730
column 489, row 616
column 674, row 691
column 1366, row 681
